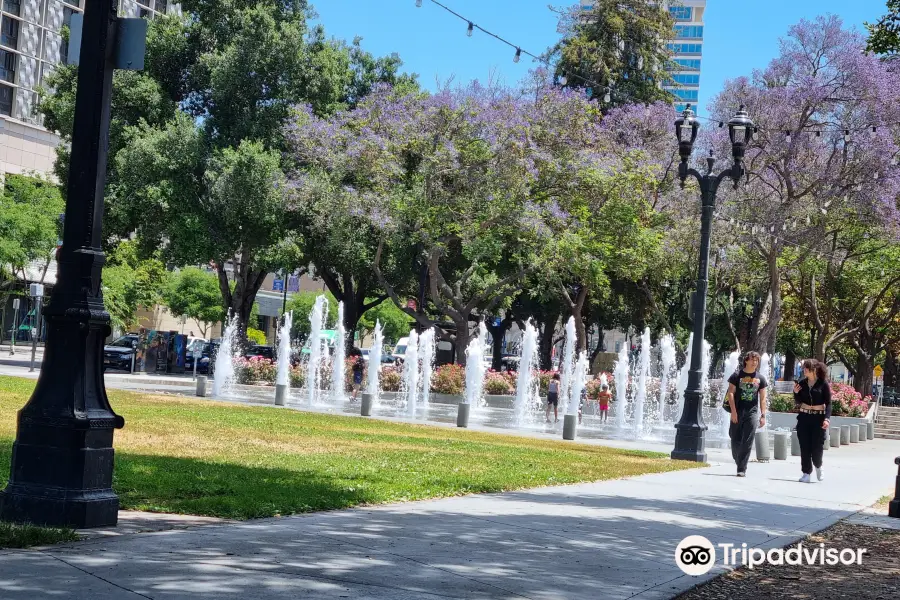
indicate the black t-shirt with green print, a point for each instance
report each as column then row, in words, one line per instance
column 747, row 386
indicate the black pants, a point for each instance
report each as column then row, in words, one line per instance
column 812, row 440
column 741, row 434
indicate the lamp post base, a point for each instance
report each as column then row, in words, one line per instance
column 690, row 443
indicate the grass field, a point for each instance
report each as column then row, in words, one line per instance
column 200, row 457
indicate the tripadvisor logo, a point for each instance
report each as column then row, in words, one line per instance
column 696, row 555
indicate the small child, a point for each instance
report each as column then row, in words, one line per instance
column 581, row 403
column 357, row 377
column 553, row 398
column 603, row 398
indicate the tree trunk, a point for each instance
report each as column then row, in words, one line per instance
column 497, row 334
column 576, row 309
column 862, row 382
column 762, row 338
column 548, row 328
column 891, row 368
column 462, row 341
column 790, row 363
column 239, row 302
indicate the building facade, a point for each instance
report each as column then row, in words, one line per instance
column 686, row 49
column 31, row 45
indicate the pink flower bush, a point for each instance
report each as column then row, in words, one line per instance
column 847, row 402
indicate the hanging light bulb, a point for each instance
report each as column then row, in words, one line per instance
column 518, row 55
column 471, row 29
column 827, row 203
column 755, row 133
column 818, row 134
column 846, row 136
column 824, row 211
column 894, row 162
column 640, row 63
column 875, row 175
column 563, row 80
column 808, row 220
column 607, row 97
column 787, row 137
column 418, row 3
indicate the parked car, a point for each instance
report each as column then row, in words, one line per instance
column 399, row 350
column 257, row 351
column 207, row 358
column 118, row 355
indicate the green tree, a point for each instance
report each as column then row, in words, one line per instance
column 301, row 305
column 130, row 282
column 194, row 293
column 394, row 321
column 617, row 46
column 884, row 34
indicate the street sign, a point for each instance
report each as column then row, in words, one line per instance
column 278, row 285
column 15, row 304
column 878, row 371
column 36, row 290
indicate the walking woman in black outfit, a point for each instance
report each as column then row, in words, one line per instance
column 812, row 396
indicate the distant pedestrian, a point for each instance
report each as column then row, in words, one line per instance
column 553, row 398
column 746, row 398
column 603, row 398
column 812, row 396
column 357, row 370
column 581, row 403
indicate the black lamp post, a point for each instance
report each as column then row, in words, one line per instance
column 689, row 441
column 62, row 459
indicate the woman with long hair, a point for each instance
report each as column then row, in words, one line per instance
column 812, row 397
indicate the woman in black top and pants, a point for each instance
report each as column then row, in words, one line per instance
column 812, row 396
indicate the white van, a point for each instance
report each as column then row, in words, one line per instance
column 400, row 349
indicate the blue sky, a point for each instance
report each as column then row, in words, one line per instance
column 739, row 36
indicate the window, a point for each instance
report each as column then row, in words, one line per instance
column 686, row 95
column 73, row 2
column 162, row 6
column 13, row 6
column 144, row 3
column 688, row 32
column 7, row 66
column 9, row 33
column 67, row 16
column 679, row 107
column 687, row 64
column 681, row 13
column 686, row 79
column 6, row 99
column 144, row 13
column 685, row 48
column 618, row 346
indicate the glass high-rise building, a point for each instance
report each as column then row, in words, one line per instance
column 31, row 45
column 686, row 48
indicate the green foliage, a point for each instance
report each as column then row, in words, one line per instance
column 449, row 379
column 302, row 304
column 394, row 321
column 781, row 403
column 15, row 535
column 255, row 336
column 194, row 293
column 617, row 44
column 884, row 34
column 29, row 220
column 131, row 282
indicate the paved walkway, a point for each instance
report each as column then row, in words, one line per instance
column 612, row 539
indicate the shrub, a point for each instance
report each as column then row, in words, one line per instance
column 497, row 384
column 256, row 336
column 253, row 370
column 390, row 379
column 781, row 403
column 845, row 401
column 449, row 379
column 297, row 376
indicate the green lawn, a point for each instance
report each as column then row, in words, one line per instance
column 199, row 457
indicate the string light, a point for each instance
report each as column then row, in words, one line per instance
column 607, row 97
column 518, row 55
column 787, row 137
column 563, row 80
column 846, row 136
column 470, row 29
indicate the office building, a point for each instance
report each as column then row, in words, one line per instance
column 31, row 45
column 686, row 48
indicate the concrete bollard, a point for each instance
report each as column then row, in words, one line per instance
column 570, row 422
column 367, row 401
column 835, row 433
column 845, row 435
column 281, row 392
column 870, row 430
column 863, row 432
column 781, row 445
column 795, row 443
column 894, row 505
column 762, row 445
column 462, row 415
column 854, row 434
column 201, row 386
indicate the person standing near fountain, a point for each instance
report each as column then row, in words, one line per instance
column 553, row 398
column 749, row 406
column 603, row 398
column 812, row 396
column 357, row 371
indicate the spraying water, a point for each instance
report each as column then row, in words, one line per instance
column 223, row 378
column 526, row 384
column 579, row 381
column 620, row 374
column 284, row 350
column 731, row 365
column 667, row 358
column 643, row 373
column 475, row 368
column 338, row 361
column 568, row 363
column 426, row 355
column 313, row 372
column 411, row 372
column 683, row 379
column 765, row 369
column 705, row 364
column 375, row 359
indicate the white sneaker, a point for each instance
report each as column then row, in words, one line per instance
column 805, row 478
column 819, row 474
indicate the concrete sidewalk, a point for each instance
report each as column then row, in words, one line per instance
column 613, row 539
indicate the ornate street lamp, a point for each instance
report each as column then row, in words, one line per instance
column 689, row 436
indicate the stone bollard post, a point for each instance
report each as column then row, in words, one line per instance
column 781, row 445
column 462, row 415
column 281, row 392
column 870, row 430
column 863, row 432
column 854, row 434
column 570, row 422
column 835, row 433
column 201, row 386
column 894, row 506
column 367, row 401
column 795, row 443
column 845, row 435
column 762, row 445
